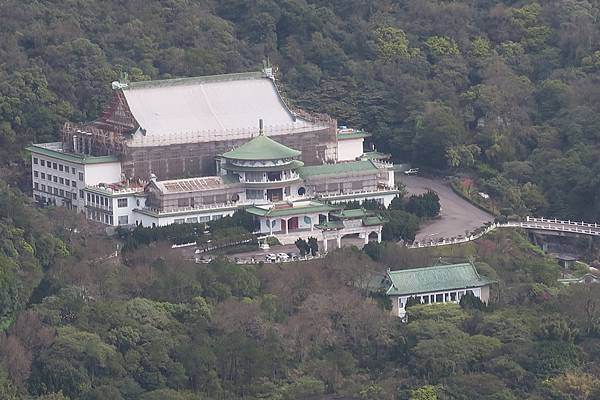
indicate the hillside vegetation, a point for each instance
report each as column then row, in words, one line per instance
column 503, row 94
column 505, row 90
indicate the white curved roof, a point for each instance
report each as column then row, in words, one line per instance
column 228, row 105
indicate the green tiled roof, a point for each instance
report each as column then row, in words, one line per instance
column 354, row 213
column 330, row 225
column 337, row 169
column 374, row 220
column 353, row 135
column 71, row 157
column 435, row 279
column 375, row 155
column 261, row 148
column 284, row 212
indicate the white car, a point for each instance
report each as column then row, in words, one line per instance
column 271, row 257
column 283, row 256
column 412, row 171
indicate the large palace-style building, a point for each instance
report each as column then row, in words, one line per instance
column 196, row 149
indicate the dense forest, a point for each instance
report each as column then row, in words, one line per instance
column 503, row 94
column 506, row 91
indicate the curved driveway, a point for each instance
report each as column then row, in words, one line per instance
column 458, row 216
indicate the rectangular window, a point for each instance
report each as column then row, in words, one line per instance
column 88, row 197
column 81, row 194
column 56, row 191
column 49, row 177
column 36, row 186
column 35, row 174
column 55, row 178
column 179, row 220
column 35, row 160
column 123, row 220
column 121, row 203
column 73, row 183
column 254, row 194
column 42, row 163
column 60, row 167
column 192, row 220
column 181, row 202
column 74, row 196
column 67, row 182
column 218, row 216
column 62, row 192
column 43, row 175
column 81, row 176
column 62, row 181
column 204, row 219
column 43, row 188
column 73, row 170
column 110, row 218
column 54, row 166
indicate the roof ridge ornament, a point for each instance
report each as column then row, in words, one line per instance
column 268, row 69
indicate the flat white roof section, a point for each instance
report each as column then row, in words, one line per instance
column 208, row 108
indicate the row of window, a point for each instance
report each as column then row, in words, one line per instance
column 56, row 179
column 56, row 166
column 104, row 201
column 100, row 217
column 194, row 220
column 56, row 191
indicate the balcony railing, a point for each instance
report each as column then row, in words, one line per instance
column 284, row 178
column 379, row 190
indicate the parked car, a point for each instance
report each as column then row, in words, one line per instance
column 283, row 256
column 412, row 171
column 271, row 257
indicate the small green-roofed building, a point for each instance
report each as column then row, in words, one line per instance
column 438, row 284
column 261, row 148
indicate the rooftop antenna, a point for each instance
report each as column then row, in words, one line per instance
column 268, row 69
column 122, row 83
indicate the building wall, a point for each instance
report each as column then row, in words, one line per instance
column 346, row 183
column 112, row 208
column 102, row 173
column 483, row 293
column 349, row 149
column 279, row 227
column 200, row 216
column 45, row 186
column 198, row 159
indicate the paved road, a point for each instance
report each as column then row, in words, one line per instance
column 457, row 215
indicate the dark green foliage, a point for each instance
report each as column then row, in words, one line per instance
column 313, row 245
column 506, row 91
column 302, row 246
column 469, row 300
column 401, row 226
column 424, row 205
column 230, row 228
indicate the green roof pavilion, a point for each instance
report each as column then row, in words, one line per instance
column 435, row 279
column 261, row 148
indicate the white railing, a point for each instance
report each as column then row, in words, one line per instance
column 202, row 207
column 266, row 180
column 529, row 223
column 355, row 192
column 562, row 222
